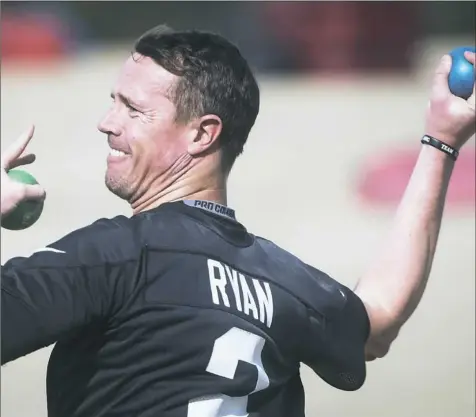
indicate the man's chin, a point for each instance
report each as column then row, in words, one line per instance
column 118, row 188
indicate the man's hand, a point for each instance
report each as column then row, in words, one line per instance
column 449, row 118
column 13, row 192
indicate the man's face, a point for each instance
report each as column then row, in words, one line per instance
column 147, row 145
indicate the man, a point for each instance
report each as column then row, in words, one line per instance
column 179, row 311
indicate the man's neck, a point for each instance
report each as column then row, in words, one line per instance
column 188, row 187
column 217, row 196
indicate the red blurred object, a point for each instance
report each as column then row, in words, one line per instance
column 31, row 38
column 383, row 182
column 342, row 36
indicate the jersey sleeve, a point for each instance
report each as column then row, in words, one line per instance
column 337, row 337
column 58, row 290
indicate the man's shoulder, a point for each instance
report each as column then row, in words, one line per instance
column 284, row 258
column 313, row 287
column 103, row 228
column 129, row 234
column 104, row 240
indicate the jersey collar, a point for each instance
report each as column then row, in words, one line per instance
column 212, row 207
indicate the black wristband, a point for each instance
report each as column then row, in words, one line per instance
column 441, row 146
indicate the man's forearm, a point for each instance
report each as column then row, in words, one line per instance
column 394, row 284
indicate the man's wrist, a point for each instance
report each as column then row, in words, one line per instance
column 435, row 156
column 443, row 137
column 440, row 146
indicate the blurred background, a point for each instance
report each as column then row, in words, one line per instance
column 344, row 90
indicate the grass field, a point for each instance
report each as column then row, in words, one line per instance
column 301, row 158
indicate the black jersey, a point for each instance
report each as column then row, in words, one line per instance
column 179, row 312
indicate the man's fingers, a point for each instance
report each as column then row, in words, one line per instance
column 440, row 79
column 470, row 56
column 15, row 150
column 23, row 160
column 34, row 192
column 472, row 100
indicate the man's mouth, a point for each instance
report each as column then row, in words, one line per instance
column 116, row 152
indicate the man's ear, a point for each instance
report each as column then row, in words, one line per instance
column 208, row 129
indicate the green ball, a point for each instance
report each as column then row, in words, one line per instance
column 28, row 211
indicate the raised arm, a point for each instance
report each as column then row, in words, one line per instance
column 394, row 284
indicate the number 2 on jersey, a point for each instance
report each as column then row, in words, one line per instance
column 234, row 346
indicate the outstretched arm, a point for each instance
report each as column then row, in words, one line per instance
column 80, row 279
column 394, row 285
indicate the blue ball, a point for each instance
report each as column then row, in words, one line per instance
column 461, row 77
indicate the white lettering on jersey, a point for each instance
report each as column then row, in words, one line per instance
column 248, row 300
column 216, row 272
column 254, row 300
column 265, row 301
column 233, row 277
